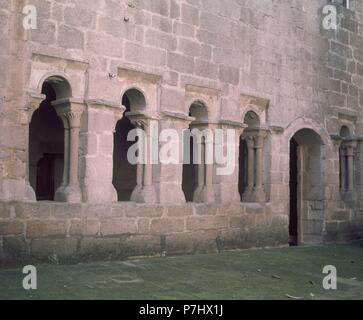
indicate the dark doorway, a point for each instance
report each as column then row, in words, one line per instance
column 124, row 173
column 242, row 173
column 293, row 226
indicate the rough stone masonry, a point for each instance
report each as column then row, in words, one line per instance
column 72, row 88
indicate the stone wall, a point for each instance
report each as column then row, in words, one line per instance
column 56, row 232
column 175, row 51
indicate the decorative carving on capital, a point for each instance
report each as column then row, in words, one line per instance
column 140, row 120
column 74, row 118
column 70, row 110
column 257, row 136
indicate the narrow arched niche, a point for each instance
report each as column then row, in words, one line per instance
column 252, row 120
column 199, row 111
column 125, row 173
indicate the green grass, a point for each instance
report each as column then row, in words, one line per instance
column 251, row 274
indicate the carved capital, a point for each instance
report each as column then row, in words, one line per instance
column 70, row 110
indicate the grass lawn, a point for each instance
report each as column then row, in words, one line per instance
column 251, row 274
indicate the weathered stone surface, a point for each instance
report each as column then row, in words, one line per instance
column 147, row 211
column 167, row 225
column 66, row 211
column 180, row 211
column 11, row 227
column 32, row 210
column 190, row 242
column 112, row 227
column 5, row 211
column 84, row 228
column 234, row 57
column 16, row 248
column 99, row 248
column 140, row 245
column 206, row 223
column 54, row 250
column 46, row 228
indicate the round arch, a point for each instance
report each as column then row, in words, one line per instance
column 255, row 110
column 60, row 83
column 307, row 147
column 137, row 98
column 198, row 109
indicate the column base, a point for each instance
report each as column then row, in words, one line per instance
column 350, row 198
column 70, row 194
column 260, row 195
column 248, row 196
column 255, row 195
column 196, row 195
column 205, row 194
column 146, row 194
column 96, row 193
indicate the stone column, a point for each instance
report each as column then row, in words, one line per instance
column 248, row 194
column 255, row 144
column 349, row 194
column 199, row 171
column 71, row 110
column 350, row 164
column 205, row 192
column 259, row 192
column 97, row 143
column 342, row 164
column 360, row 171
column 145, row 193
column 65, row 180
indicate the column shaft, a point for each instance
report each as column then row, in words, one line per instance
column 201, row 166
column 259, row 162
column 342, row 169
column 66, row 156
column 350, row 160
column 250, row 164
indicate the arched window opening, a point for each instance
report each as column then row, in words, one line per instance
column 46, row 147
column 250, row 178
column 125, row 173
column 194, row 174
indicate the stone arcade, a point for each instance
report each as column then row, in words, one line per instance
column 72, row 90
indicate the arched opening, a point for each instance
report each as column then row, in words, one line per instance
column 125, row 173
column 191, row 170
column 306, row 188
column 345, row 132
column 46, row 141
column 252, row 120
column 247, row 157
